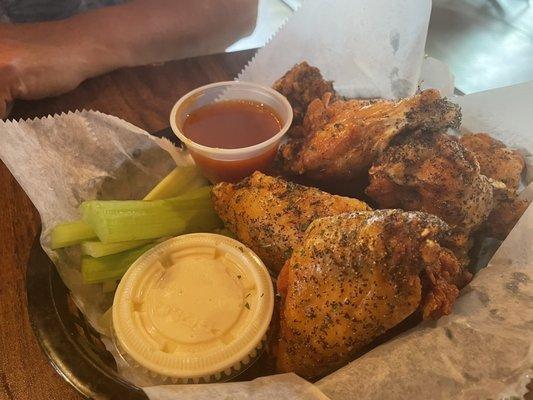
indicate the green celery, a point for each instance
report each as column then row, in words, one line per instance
column 120, row 221
column 71, row 233
column 180, row 180
column 97, row 249
column 113, row 267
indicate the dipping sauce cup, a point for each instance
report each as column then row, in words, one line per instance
column 231, row 164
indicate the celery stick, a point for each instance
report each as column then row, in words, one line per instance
column 106, row 321
column 120, row 221
column 180, row 180
column 96, row 270
column 99, row 249
column 70, row 233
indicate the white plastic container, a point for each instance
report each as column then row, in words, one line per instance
column 231, row 164
column 195, row 308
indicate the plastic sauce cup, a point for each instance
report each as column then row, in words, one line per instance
column 194, row 309
column 231, row 165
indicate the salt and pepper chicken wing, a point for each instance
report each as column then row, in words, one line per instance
column 355, row 276
column 301, row 85
column 434, row 173
column 270, row 215
column 340, row 139
column 504, row 166
column 508, row 208
column 350, row 274
column 495, row 160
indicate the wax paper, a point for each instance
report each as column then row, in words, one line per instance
column 482, row 350
column 370, row 48
column 62, row 160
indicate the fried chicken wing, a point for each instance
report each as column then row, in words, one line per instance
column 270, row 215
column 301, row 85
column 504, row 166
column 508, row 208
column 341, row 139
column 495, row 160
column 355, row 276
column 434, row 173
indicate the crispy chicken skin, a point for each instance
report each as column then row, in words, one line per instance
column 355, row 276
column 434, row 173
column 504, row 166
column 301, row 85
column 495, row 160
column 270, row 215
column 341, row 139
column 508, row 209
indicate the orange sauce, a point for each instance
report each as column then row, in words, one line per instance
column 233, row 171
column 232, row 125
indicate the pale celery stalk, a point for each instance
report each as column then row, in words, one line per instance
column 180, row 180
column 96, row 270
column 106, row 321
column 96, row 248
column 120, row 221
column 71, row 233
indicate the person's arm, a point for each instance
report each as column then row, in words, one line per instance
column 49, row 58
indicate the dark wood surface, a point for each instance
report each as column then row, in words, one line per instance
column 142, row 96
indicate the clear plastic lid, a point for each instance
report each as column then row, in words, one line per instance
column 194, row 307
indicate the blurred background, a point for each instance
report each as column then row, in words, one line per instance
column 486, row 43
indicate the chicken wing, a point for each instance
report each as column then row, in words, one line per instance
column 341, row 139
column 301, row 85
column 355, row 276
column 271, row 215
column 508, row 208
column 434, row 173
column 495, row 160
column 504, row 166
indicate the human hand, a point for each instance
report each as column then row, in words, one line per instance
column 48, row 58
column 43, row 59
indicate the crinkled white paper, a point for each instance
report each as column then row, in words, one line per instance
column 62, row 160
column 369, row 48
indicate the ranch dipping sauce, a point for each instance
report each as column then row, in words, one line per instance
column 193, row 309
column 231, row 129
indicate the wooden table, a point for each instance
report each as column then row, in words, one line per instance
column 142, row 96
